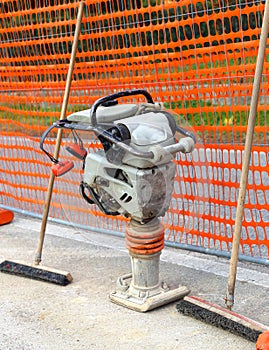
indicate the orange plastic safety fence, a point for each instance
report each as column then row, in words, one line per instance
column 197, row 56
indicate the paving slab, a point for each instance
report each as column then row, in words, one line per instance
column 42, row 316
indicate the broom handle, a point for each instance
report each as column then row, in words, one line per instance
column 246, row 159
column 59, row 135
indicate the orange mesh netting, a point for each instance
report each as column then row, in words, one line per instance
column 196, row 56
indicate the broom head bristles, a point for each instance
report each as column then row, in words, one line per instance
column 220, row 317
column 41, row 273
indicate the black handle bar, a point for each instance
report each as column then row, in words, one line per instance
column 112, row 97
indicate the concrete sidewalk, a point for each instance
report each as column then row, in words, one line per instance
column 37, row 315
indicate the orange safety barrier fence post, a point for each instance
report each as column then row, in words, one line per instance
column 198, row 57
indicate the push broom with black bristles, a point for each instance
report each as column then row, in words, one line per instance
column 35, row 271
column 221, row 317
column 201, row 309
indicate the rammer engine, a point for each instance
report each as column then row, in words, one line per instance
column 133, row 175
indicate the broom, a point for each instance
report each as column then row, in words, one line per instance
column 203, row 310
column 220, row 317
column 34, row 271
